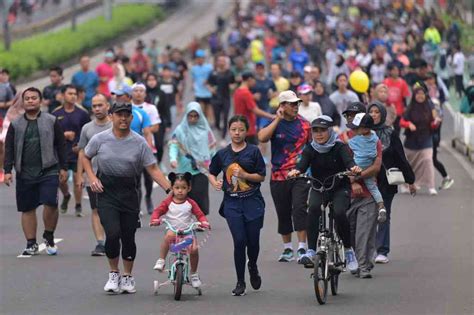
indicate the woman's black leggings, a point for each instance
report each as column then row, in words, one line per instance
column 119, row 227
column 246, row 236
column 341, row 201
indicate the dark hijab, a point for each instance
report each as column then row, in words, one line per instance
column 420, row 114
column 383, row 131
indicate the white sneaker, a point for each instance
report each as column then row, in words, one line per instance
column 160, row 264
column 51, row 249
column 432, row 192
column 127, row 284
column 351, row 260
column 381, row 259
column 112, row 285
column 195, row 281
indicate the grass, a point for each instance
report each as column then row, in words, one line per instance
column 42, row 51
column 467, row 31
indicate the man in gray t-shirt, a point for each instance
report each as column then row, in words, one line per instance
column 121, row 157
column 100, row 108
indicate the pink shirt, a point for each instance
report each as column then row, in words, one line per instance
column 104, row 70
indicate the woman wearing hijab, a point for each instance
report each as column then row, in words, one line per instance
column 393, row 155
column 381, row 97
column 119, row 80
column 14, row 111
column 191, row 148
column 327, row 106
column 325, row 157
column 420, row 120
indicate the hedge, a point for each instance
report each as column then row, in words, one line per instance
column 42, row 51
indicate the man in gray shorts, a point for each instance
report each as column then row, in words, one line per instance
column 100, row 109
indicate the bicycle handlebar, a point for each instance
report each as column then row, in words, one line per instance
column 323, row 187
column 188, row 230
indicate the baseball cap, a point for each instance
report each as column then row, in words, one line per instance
column 355, row 107
column 126, row 90
column 260, row 64
column 304, row 89
column 322, row 121
column 120, row 107
column 361, row 120
column 288, row 96
column 200, row 53
column 138, row 86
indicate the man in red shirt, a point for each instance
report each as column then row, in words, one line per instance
column 245, row 105
column 398, row 91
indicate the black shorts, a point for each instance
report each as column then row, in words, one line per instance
column 291, row 204
column 32, row 193
column 252, row 139
column 92, row 198
column 72, row 166
column 205, row 100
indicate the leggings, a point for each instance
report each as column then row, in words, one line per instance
column 119, row 227
column 341, row 202
column 159, row 138
column 221, row 108
column 246, row 236
column 437, row 164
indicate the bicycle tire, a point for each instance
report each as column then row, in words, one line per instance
column 178, row 281
column 337, row 260
column 320, row 278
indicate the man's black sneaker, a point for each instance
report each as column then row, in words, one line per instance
column 99, row 250
column 239, row 289
column 64, row 204
column 255, row 279
column 31, row 250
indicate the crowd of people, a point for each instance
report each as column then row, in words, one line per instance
column 279, row 74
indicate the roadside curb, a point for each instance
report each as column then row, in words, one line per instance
column 457, row 144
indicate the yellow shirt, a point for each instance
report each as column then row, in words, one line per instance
column 257, row 51
column 281, row 84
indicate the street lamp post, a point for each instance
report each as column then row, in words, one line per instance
column 5, row 7
column 74, row 15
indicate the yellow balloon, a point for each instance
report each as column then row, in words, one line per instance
column 359, row 81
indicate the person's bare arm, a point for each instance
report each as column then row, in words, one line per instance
column 96, row 185
column 158, row 176
column 266, row 133
column 148, row 135
column 261, row 113
column 154, row 128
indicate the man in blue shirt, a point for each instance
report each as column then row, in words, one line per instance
column 299, row 58
column 86, row 79
column 200, row 73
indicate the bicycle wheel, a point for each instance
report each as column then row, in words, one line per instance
column 320, row 278
column 178, row 281
column 338, row 264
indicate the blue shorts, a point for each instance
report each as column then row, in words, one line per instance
column 31, row 193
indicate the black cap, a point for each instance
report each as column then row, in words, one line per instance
column 322, row 121
column 355, row 107
column 120, row 107
column 361, row 120
column 247, row 75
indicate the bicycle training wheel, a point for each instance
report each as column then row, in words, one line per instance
column 178, row 281
column 320, row 278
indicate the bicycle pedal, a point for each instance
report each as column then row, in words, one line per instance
column 308, row 266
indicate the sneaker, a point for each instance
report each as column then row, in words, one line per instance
column 381, row 259
column 307, row 259
column 195, row 281
column 78, row 212
column 127, row 284
column 446, row 183
column 239, row 289
column 31, row 250
column 99, row 250
column 51, row 248
column 287, row 255
column 64, row 204
column 149, row 205
column 255, row 279
column 113, row 284
column 382, row 215
column 365, row 274
column 300, row 253
column 351, row 261
column 432, row 192
column 160, row 264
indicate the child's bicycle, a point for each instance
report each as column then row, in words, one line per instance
column 329, row 261
column 178, row 273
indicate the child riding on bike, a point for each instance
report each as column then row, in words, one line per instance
column 179, row 210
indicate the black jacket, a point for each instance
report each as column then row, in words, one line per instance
column 394, row 156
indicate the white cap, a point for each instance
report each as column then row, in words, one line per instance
column 307, row 69
column 138, row 86
column 288, row 96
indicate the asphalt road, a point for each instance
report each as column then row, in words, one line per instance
column 430, row 270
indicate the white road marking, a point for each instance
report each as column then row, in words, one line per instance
column 41, row 248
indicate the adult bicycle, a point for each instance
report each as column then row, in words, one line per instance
column 329, row 260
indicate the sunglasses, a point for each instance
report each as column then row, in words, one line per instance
column 293, row 104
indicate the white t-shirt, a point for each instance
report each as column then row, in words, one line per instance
column 152, row 112
column 180, row 215
column 310, row 112
column 458, row 63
